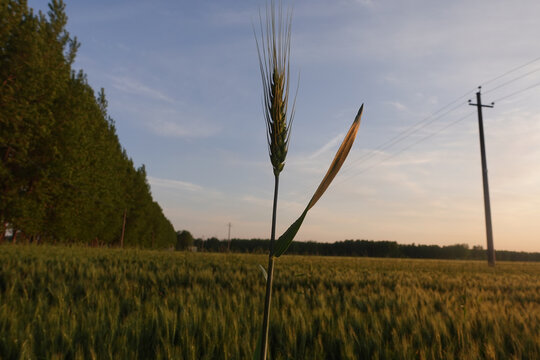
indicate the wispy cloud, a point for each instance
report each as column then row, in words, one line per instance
column 174, row 184
column 165, row 117
column 180, row 129
column 316, row 162
column 328, row 146
column 133, row 86
column 397, row 105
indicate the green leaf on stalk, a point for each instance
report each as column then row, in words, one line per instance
column 286, row 239
column 288, row 236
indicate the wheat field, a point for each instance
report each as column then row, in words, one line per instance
column 86, row 303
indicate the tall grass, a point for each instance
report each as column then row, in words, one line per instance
column 79, row 303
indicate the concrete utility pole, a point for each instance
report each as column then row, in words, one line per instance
column 487, row 207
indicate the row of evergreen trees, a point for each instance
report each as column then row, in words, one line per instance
column 365, row 248
column 64, row 176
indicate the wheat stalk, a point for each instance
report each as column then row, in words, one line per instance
column 274, row 51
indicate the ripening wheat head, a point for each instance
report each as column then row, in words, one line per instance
column 274, row 51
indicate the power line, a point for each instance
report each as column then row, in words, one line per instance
column 511, row 71
column 517, row 92
column 512, row 80
column 411, row 130
column 431, row 119
column 424, row 138
column 408, row 147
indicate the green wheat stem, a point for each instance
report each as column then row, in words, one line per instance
column 270, row 276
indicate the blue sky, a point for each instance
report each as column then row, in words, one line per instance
column 183, row 86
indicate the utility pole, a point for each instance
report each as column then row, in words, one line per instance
column 487, row 207
column 229, row 241
column 123, row 230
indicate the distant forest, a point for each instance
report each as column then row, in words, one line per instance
column 64, row 177
column 366, row 248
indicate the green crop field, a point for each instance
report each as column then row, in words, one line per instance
column 84, row 303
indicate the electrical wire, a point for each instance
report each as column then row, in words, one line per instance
column 431, row 119
column 511, row 81
column 511, row 71
column 412, row 129
column 361, row 171
column 517, row 92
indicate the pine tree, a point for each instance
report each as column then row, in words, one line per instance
column 64, row 176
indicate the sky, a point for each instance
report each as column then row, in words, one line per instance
column 184, row 88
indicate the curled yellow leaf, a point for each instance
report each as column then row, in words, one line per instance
column 285, row 240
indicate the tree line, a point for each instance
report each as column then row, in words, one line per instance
column 64, row 177
column 365, row 248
